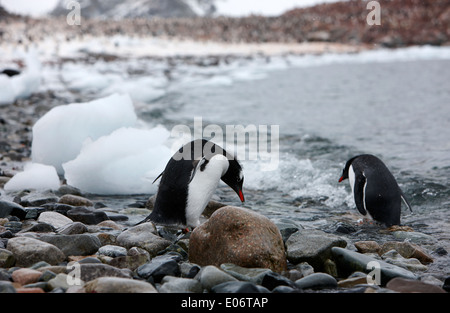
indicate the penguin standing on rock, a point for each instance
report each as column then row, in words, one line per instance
column 375, row 189
column 189, row 180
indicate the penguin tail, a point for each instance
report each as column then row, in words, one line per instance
column 406, row 201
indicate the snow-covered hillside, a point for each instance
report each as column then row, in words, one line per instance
column 139, row 8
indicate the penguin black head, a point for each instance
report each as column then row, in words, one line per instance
column 346, row 168
column 234, row 178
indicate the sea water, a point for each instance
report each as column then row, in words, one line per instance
column 395, row 107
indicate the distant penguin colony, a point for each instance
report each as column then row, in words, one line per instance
column 374, row 188
column 189, row 180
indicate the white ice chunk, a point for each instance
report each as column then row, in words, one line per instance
column 59, row 135
column 21, row 86
column 34, row 176
column 7, row 94
column 124, row 162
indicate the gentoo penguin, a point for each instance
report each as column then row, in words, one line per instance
column 189, row 180
column 374, row 189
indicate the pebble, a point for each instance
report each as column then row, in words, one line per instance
column 170, row 284
column 415, row 237
column 62, row 281
column 118, row 285
column 285, row 289
column 239, row 287
column 411, row 264
column 407, row 250
column 36, row 199
column 312, row 246
column 317, row 281
column 254, row 275
column 73, row 228
column 211, row 276
column 55, row 219
column 414, row 286
column 33, row 213
column 13, row 226
column 38, row 228
column 189, row 270
column 26, row 276
column 158, row 268
column 110, row 224
column 143, row 236
column 446, row 285
column 350, row 261
column 30, row 290
column 79, row 244
column 272, row 280
column 7, row 258
column 6, row 287
column 28, row 251
column 352, row 281
column 112, row 251
column 367, row 246
column 75, row 200
column 11, row 208
column 87, row 216
column 286, row 227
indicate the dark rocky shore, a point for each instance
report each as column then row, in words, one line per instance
column 62, row 242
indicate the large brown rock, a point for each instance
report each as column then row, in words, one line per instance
column 239, row 236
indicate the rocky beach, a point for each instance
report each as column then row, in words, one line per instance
column 62, row 242
column 66, row 240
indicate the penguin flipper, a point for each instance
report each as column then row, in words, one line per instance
column 358, row 193
column 198, row 164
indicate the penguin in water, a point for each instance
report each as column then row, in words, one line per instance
column 375, row 189
column 189, row 180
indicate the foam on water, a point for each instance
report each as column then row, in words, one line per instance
column 300, row 179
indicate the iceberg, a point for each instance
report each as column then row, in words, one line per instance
column 59, row 135
column 123, row 162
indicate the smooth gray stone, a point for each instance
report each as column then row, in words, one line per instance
column 350, row 261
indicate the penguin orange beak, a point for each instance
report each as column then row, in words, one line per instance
column 241, row 196
column 341, row 179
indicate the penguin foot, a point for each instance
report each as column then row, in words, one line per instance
column 365, row 221
column 399, row 228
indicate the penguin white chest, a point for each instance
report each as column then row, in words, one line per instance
column 351, row 178
column 202, row 187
